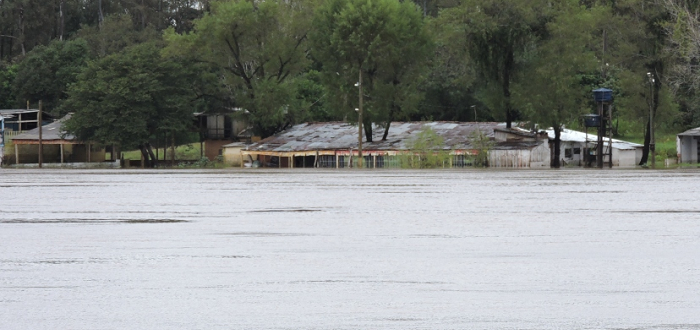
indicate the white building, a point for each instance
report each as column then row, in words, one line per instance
column 687, row 146
column 575, row 143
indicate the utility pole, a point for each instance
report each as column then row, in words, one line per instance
column 652, row 147
column 359, row 123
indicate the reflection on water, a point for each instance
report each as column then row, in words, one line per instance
column 306, row 249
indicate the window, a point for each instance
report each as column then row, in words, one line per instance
column 568, row 153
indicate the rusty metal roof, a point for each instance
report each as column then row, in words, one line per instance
column 341, row 135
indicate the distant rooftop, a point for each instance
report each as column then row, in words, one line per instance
column 52, row 131
column 341, row 135
column 568, row 135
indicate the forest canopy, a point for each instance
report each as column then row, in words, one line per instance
column 130, row 70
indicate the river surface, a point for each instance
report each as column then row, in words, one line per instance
column 310, row 249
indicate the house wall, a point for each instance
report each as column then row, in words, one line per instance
column 232, row 155
column 688, row 149
column 540, row 156
column 214, row 148
column 509, row 158
column 568, row 154
column 625, row 158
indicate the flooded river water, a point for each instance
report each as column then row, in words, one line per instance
column 308, row 249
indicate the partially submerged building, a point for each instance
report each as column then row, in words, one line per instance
column 578, row 149
column 687, row 146
column 335, row 145
column 58, row 147
column 219, row 128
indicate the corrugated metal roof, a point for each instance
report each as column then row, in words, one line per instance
column 50, row 131
column 341, row 135
column 691, row 132
column 10, row 112
column 568, row 135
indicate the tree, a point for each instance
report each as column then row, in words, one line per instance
column 551, row 89
column 683, row 32
column 128, row 97
column 7, row 78
column 47, row 71
column 498, row 34
column 260, row 48
column 386, row 42
column 451, row 81
column 425, row 150
column 116, row 33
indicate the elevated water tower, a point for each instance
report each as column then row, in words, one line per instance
column 603, row 99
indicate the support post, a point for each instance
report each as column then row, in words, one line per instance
column 601, row 132
column 41, row 145
column 16, row 154
column 61, row 147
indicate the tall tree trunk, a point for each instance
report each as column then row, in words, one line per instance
column 391, row 118
column 557, row 147
column 62, row 19
column 172, row 150
column 20, row 26
column 154, row 160
column 367, row 125
column 143, row 15
column 100, row 15
column 386, row 131
column 507, row 67
column 645, row 150
column 146, row 162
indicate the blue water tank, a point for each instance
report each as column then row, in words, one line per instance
column 591, row 120
column 602, row 95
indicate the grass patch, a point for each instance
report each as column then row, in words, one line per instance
column 665, row 144
column 190, row 151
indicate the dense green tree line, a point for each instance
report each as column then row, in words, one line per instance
column 130, row 70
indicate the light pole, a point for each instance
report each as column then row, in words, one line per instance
column 652, row 147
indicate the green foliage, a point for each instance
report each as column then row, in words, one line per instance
column 425, row 151
column 260, row 47
column 47, row 71
column 116, row 33
column 387, row 41
column 499, row 34
column 127, row 97
column 7, row 78
column 482, row 145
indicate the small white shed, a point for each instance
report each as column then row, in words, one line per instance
column 687, row 146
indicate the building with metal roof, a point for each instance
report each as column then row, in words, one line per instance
column 687, row 146
column 335, row 145
column 58, row 146
column 578, row 149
